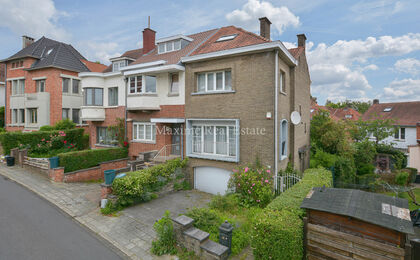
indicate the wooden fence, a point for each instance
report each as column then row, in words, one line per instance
column 41, row 163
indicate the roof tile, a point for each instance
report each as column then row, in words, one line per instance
column 403, row 113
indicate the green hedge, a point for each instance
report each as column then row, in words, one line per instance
column 293, row 197
column 10, row 140
column 277, row 235
column 78, row 160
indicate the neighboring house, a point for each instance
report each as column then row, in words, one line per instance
column 2, row 84
column 336, row 113
column 241, row 89
column 43, row 86
column 405, row 116
column 414, row 152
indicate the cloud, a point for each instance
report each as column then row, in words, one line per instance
column 410, row 66
column 34, row 18
column 100, row 51
column 247, row 17
column 337, row 69
column 401, row 90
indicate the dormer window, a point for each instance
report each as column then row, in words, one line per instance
column 226, row 38
column 117, row 65
column 169, row 46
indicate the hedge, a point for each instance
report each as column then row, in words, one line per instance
column 73, row 161
column 10, row 140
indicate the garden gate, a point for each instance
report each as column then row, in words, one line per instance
column 286, row 181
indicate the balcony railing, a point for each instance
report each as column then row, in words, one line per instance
column 92, row 113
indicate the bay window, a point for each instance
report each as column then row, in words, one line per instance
column 94, row 96
column 145, row 132
column 137, row 82
column 214, row 81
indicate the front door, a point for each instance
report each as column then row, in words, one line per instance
column 176, row 140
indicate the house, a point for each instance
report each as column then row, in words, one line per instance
column 2, row 84
column 335, row 113
column 405, row 116
column 414, row 152
column 43, row 86
column 240, row 91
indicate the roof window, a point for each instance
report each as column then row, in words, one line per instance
column 227, row 37
column 388, row 109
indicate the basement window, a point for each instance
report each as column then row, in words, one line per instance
column 227, row 37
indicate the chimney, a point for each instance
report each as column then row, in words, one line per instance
column 265, row 27
column 26, row 41
column 376, row 101
column 148, row 40
column 301, row 40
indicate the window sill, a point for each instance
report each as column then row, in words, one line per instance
column 143, row 141
column 17, row 95
column 116, row 106
column 213, row 157
column 71, row 94
column 213, row 92
column 173, row 94
column 283, row 157
column 16, row 125
column 106, row 145
column 143, row 95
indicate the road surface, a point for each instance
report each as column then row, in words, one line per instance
column 32, row 228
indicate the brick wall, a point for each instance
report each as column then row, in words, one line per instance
column 111, row 115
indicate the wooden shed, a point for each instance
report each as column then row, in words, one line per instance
column 354, row 224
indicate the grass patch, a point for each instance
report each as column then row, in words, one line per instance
column 404, row 195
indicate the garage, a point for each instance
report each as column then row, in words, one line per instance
column 211, row 179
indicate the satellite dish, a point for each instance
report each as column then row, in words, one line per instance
column 295, row 117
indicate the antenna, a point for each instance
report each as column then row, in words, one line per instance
column 148, row 26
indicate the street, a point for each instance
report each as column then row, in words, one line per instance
column 31, row 228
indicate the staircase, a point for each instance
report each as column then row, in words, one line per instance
column 165, row 154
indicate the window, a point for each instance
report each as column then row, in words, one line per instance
column 174, row 88
column 117, row 65
column 17, row 64
column 76, row 84
column 400, row 134
column 66, row 84
column 14, row 116
column 219, row 140
column 76, row 115
column 18, row 87
column 169, row 46
column 214, row 81
column 33, row 115
column 65, row 113
column 106, row 136
column 93, row 96
column 40, row 85
column 21, row 116
column 144, row 132
column 388, row 109
column 113, row 96
column 282, row 82
column 227, row 38
column 283, row 140
column 137, row 83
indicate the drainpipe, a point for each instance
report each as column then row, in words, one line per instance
column 276, row 107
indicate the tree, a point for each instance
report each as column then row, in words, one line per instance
column 359, row 106
column 380, row 128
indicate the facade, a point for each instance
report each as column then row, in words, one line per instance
column 43, row 86
column 2, row 84
column 405, row 116
column 414, row 152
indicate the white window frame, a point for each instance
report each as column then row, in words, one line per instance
column 284, row 137
column 214, row 123
column 165, row 44
column 282, row 82
column 70, row 87
column 15, row 114
column 30, row 118
column 120, row 63
column 109, row 96
column 143, row 85
column 18, row 87
column 206, row 87
column 68, row 111
column 143, row 139
column 399, row 134
column 38, row 85
column 85, row 100
column 171, row 83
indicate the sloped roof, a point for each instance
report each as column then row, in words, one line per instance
column 296, row 52
column 366, row 206
column 133, row 54
column 93, row 66
column 174, row 57
column 335, row 113
column 403, row 113
column 2, row 72
column 51, row 53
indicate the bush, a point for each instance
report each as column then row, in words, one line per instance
column 323, row 159
column 224, row 203
column 78, row 160
column 277, row 235
column 46, row 128
column 136, row 185
column 413, row 174
column 254, row 186
column 399, row 159
column 344, row 170
column 64, row 124
column 402, row 178
column 293, row 197
column 31, row 140
column 165, row 244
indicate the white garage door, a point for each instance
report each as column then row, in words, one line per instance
column 211, row 179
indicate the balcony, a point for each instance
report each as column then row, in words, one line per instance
column 93, row 113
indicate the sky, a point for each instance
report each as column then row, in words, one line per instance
column 356, row 49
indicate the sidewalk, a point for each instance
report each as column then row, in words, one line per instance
column 132, row 232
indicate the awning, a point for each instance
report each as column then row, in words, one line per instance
column 167, row 120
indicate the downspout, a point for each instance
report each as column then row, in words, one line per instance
column 276, row 107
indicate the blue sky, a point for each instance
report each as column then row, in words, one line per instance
column 356, row 49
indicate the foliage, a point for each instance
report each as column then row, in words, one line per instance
column 293, row 197
column 345, row 170
column 323, row 159
column 46, row 128
column 119, row 130
column 364, row 156
column 184, row 185
column 224, row 203
column 136, row 186
column 413, row 174
column 254, row 186
column 379, row 128
column 165, row 243
column 64, row 124
column 405, row 195
column 1, row 117
column 209, row 220
column 78, row 160
column 34, row 140
column 110, row 209
column 359, row 106
column 277, row 235
column 398, row 157
column 402, row 178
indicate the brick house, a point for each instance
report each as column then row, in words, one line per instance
column 2, row 84
column 43, row 86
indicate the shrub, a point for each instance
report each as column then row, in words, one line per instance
column 324, row 159
column 399, row 159
column 402, row 178
column 74, row 161
column 64, row 124
column 413, row 173
column 31, row 140
column 46, row 128
column 344, row 170
column 165, row 244
column 224, row 203
column 293, row 197
column 277, row 235
column 135, row 185
column 254, row 186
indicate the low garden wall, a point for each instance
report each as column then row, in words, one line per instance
column 89, row 174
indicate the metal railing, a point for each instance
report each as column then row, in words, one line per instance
column 286, row 181
column 166, row 152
